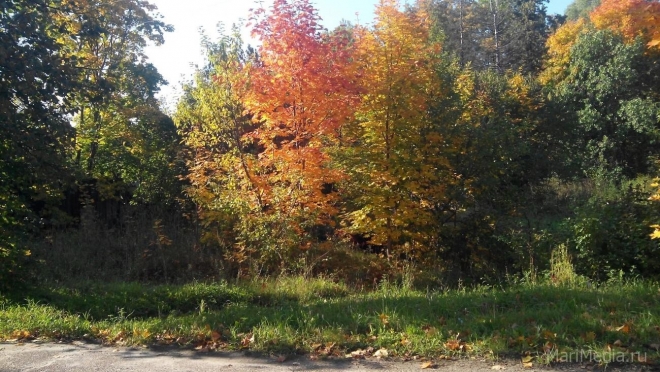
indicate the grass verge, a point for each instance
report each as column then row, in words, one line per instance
column 541, row 323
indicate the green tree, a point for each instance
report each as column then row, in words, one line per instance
column 118, row 84
column 580, row 9
column 493, row 34
column 496, row 161
column 122, row 137
column 607, row 106
column 36, row 82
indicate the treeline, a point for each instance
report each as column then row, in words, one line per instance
column 466, row 138
column 80, row 120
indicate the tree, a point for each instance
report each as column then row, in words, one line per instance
column 525, row 37
column 222, row 160
column 36, row 81
column 300, row 94
column 395, row 153
column 609, row 99
column 559, row 51
column 633, row 18
column 107, row 42
column 580, row 9
column 602, row 75
column 455, row 22
column 493, row 34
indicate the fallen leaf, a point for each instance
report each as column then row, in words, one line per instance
column 548, row 335
column 527, row 361
column 617, row 343
column 247, row 340
column 382, row 353
column 624, row 328
column 548, row 347
column 357, row 354
column 384, row 318
column 427, row 365
column 215, row 336
column 589, row 336
column 453, row 345
column 497, row 367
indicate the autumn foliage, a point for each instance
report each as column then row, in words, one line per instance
column 396, row 153
column 300, row 94
column 633, row 18
column 378, row 137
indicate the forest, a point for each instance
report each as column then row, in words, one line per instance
column 464, row 141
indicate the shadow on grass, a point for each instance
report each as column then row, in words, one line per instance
column 512, row 321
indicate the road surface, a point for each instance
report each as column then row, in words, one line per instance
column 79, row 356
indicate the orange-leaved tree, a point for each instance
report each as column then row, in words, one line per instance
column 300, row 92
column 633, row 18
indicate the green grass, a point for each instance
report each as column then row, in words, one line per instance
column 295, row 315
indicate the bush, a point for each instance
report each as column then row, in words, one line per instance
column 610, row 233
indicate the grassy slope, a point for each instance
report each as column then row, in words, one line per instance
column 325, row 318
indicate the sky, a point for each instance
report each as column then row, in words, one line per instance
column 175, row 59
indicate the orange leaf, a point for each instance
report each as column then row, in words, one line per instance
column 216, row 336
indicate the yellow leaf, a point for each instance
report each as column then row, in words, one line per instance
column 384, row 318
column 655, row 234
column 427, row 365
column 527, row 361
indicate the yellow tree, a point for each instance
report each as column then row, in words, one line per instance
column 559, row 50
column 395, row 152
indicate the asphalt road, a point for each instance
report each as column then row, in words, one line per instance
column 78, row 356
